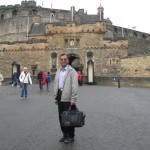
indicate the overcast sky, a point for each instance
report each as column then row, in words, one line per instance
column 124, row 13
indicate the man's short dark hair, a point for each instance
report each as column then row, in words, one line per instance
column 63, row 54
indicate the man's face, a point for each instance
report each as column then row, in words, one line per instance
column 64, row 61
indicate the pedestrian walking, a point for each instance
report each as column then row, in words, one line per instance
column 48, row 80
column 25, row 79
column 40, row 80
column 65, row 92
column 80, row 78
column 119, row 83
column 15, row 80
column 43, row 78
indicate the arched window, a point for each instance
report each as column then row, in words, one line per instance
column 34, row 12
column 65, row 42
column 116, row 30
column 90, row 56
column 77, row 42
column 15, row 12
column 144, row 37
column 2, row 16
column 54, row 60
column 125, row 32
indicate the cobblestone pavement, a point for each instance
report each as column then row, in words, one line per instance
column 116, row 119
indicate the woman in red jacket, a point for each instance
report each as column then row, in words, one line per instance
column 79, row 78
column 43, row 78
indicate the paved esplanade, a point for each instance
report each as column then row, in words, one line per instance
column 116, row 119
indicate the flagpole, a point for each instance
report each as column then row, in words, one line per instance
column 50, row 17
column 100, row 15
column 72, row 11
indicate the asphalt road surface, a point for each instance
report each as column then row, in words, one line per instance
column 116, row 119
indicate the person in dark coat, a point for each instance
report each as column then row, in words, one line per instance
column 40, row 80
column 15, row 80
column 48, row 80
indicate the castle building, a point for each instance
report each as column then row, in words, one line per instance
column 34, row 37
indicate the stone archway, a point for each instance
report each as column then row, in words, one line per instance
column 75, row 62
column 15, row 67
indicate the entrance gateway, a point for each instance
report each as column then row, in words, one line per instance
column 75, row 62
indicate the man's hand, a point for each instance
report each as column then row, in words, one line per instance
column 72, row 103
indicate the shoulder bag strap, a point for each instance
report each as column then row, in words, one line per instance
column 25, row 77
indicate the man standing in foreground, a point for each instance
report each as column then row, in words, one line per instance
column 65, row 92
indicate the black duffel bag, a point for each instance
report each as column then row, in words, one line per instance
column 73, row 118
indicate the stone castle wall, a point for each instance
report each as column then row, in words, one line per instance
column 135, row 67
column 14, row 20
column 29, row 36
column 138, row 46
column 25, row 55
column 105, row 54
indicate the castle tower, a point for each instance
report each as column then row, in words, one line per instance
column 100, row 12
column 24, row 3
column 72, row 13
column 28, row 3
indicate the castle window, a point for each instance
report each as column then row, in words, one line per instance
column 34, row 11
column 65, row 42
column 33, row 68
column 115, row 29
column 2, row 17
column 110, row 61
column 30, row 12
column 125, row 32
column 143, row 36
column 77, row 42
column 15, row 12
column 52, row 14
column 90, row 56
column 135, row 34
column 54, row 60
